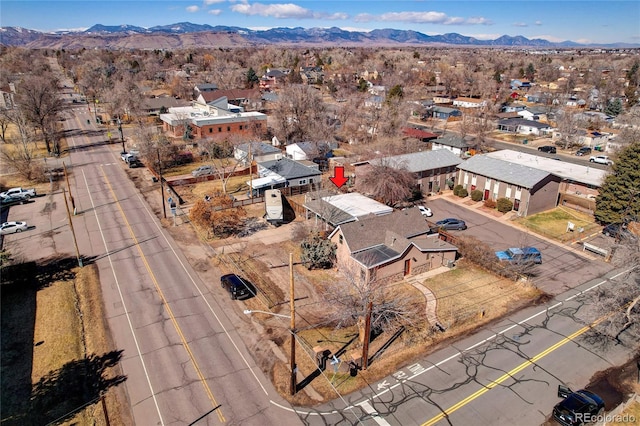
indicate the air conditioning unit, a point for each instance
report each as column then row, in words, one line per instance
column 450, row 264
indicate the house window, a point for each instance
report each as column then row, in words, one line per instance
column 219, row 129
column 210, row 129
column 228, row 128
column 340, row 239
column 241, row 127
column 302, row 181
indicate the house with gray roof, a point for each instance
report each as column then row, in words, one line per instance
column 444, row 113
column 432, row 169
column 336, row 209
column 530, row 189
column 523, row 126
column 285, row 173
column 457, row 144
column 389, row 247
column 256, row 151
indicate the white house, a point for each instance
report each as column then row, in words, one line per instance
column 468, row 103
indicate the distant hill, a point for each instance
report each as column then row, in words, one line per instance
column 186, row 34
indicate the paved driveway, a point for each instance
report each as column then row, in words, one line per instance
column 564, row 266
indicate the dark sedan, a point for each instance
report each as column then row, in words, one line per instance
column 547, row 148
column 452, row 224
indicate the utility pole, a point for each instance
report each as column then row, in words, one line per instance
column 164, row 209
column 66, row 176
column 293, row 384
column 367, row 337
column 121, row 135
column 73, row 232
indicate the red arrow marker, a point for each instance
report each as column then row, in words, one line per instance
column 339, row 178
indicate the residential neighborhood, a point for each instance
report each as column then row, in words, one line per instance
column 315, row 220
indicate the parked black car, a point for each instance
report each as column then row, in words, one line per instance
column 452, row 224
column 585, row 150
column 577, row 407
column 237, row 287
column 547, row 148
column 618, row 231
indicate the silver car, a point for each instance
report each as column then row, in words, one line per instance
column 202, row 171
column 13, row 227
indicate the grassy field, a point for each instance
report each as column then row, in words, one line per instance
column 554, row 223
column 53, row 365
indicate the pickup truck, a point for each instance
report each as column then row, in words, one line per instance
column 601, row 159
column 19, row 192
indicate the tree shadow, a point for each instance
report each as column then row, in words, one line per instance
column 59, row 393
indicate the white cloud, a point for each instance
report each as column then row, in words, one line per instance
column 423, row 18
column 283, row 11
column 210, row 2
column 538, row 23
column 520, row 24
column 193, row 9
column 215, row 12
column 484, row 36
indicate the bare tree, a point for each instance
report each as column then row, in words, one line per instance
column 38, row 99
column 616, row 306
column 21, row 157
column 349, row 298
column 300, row 114
column 387, row 181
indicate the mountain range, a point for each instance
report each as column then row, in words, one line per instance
column 186, row 34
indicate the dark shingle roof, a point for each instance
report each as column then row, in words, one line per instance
column 258, row 148
column 420, row 161
column 290, row 169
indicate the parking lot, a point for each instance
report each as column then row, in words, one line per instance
column 564, row 265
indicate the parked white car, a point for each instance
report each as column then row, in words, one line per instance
column 425, row 211
column 13, row 227
column 601, row 159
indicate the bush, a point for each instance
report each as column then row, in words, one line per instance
column 456, row 189
column 476, row 195
column 489, row 203
column 463, row 193
column 504, row 205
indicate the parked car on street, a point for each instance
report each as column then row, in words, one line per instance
column 585, row 150
column 202, row 171
column 13, row 227
column 618, row 231
column 601, row 159
column 547, row 148
column 237, row 287
column 21, row 192
column 425, row 211
column 12, row 200
column 518, row 255
column 577, row 408
column 452, row 224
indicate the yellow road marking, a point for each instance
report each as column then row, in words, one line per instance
column 166, row 305
column 509, row 374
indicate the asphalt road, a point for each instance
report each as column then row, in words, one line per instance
column 183, row 355
column 506, row 373
column 564, row 266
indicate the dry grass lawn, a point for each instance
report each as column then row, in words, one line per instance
column 468, row 294
column 553, row 223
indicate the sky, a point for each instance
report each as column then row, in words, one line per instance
column 605, row 21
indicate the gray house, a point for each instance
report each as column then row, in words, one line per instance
column 285, row 173
column 432, row 169
column 455, row 143
column 256, row 151
column 531, row 190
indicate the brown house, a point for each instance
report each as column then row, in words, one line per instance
column 390, row 247
column 531, row 190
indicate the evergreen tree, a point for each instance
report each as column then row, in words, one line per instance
column 396, row 92
column 614, row 107
column 619, row 198
column 318, row 252
column 252, row 78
